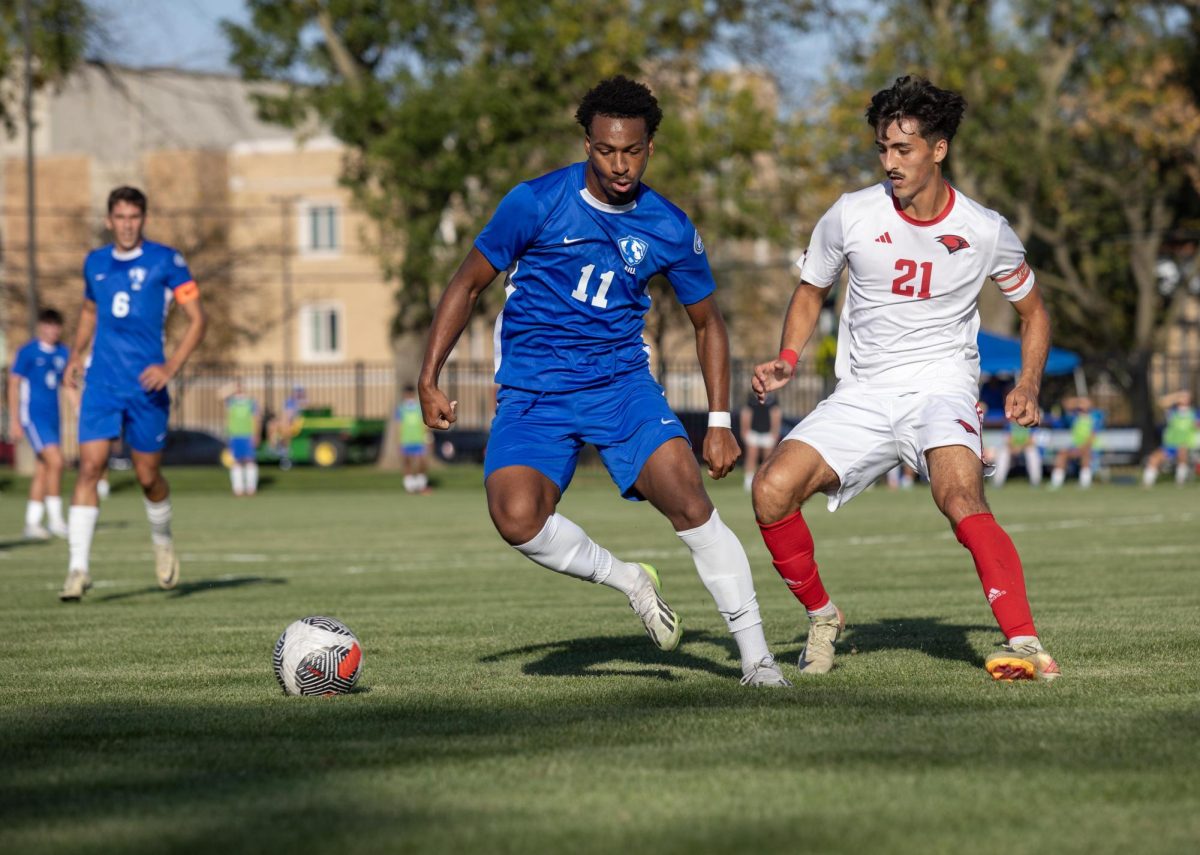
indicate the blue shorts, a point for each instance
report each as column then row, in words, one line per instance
column 414, row 450
column 41, row 432
column 242, row 448
column 626, row 421
column 142, row 416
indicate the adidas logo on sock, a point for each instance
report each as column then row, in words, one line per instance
column 995, row 594
column 884, row 238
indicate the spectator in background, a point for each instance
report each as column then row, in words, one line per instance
column 284, row 426
column 1018, row 440
column 414, row 441
column 761, row 423
column 1179, row 438
column 1083, row 420
column 33, row 386
column 242, row 423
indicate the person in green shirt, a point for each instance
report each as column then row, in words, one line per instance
column 1083, row 438
column 242, row 421
column 1179, row 438
column 414, row 441
column 1018, row 440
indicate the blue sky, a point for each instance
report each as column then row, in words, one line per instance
column 176, row 33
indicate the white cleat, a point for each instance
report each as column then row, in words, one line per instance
column 77, row 584
column 660, row 620
column 59, row 530
column 823, row 633
column 36, row 532
column 765, row 672
column 166, row 565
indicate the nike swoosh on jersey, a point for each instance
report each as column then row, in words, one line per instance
column 568, row 241
column 667, row 421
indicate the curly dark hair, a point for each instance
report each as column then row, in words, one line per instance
column 132, row 195
column 938, row 111
column 620, row 98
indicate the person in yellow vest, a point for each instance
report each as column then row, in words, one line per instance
column 242, row 425
column 1083, row 419
column 1179, row 438
column 414, row 442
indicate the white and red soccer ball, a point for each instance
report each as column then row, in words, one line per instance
column 317, row 656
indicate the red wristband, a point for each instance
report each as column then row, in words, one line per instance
column 789, row 356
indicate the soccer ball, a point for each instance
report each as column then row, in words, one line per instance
column 317, row 656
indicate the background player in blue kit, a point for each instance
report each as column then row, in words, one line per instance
column 129, row 287
column 33, row 388
column 580, row 245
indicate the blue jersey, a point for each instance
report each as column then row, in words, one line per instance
column 132, row 292
column 577, row 275
column 40, row 367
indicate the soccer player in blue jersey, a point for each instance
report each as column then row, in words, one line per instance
column 579, row 246
column 33, row 386
column 129, row 287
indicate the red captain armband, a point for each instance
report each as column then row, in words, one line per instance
column 187, row 292
column 789, row 356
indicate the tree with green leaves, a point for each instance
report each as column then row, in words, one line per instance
column 443, row 106
column 59, row 31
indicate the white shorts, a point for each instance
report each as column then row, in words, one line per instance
column 759, row 440
column 861, row 434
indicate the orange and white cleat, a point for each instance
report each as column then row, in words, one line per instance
column 1024, row 662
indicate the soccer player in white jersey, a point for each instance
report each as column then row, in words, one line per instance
column 918, row 254
column 580, row 245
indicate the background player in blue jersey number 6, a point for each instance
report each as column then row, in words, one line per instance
column 580, row 245
column 129, row 287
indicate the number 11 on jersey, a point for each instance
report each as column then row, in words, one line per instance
column 585, row 277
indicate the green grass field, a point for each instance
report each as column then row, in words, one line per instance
column 505, row 709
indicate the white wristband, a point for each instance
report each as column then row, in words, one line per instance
column 720, row 420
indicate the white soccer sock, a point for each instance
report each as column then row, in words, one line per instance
column 1180, row 473
column 1057, row 477
column 748, row 481
column 1003, row 462
column 409, row 484
column 725, row 571
column 159, row 515
column 102, row 488
column 1020, row 640
column 33, row 513
column 237, row 477
column 1085, row 477
column 422, row 481
column 251, row 477
column 1033, row 465
column 54, row 510
column 1149, row 476
column 827, row 610
column 564, row 547
column 81, row 525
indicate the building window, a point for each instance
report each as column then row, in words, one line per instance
column 321, row 332
column 321, row 230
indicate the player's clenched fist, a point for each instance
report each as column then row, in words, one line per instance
column 1021, row 406
column 769, row 376
column 721, row 451
column 437, row 409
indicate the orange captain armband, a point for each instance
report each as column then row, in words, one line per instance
column 187, row 292
column 789, row 356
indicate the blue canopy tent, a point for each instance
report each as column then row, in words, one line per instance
column 999, row 355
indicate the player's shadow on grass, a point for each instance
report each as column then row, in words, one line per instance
column 925, row 634
column 16, row 542
column 620, row 655
column 199, row 586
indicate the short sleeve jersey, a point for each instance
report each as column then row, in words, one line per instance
column 240, row 411
column 133, row 292
column 412, row 423
column 1181, row 427
column 40, row 367
column 910, row 317
column 577, row 275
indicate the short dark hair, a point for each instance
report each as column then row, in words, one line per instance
column 620, row 98
column 938, row 111
column 409, row 387
column 132, row 195
column 50, row 316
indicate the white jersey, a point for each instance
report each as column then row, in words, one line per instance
column 910, row 316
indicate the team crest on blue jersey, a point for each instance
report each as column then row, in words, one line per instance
column 137, row 275
column 633, row 250
column 698, row 244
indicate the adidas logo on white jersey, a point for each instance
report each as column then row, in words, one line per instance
column 884, row 238
column 995, row 594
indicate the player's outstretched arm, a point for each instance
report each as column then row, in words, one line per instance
column 798, row 325
column 449, row 320
column 720, row 450
column 1021, row 404
column 83, row 340
column 157, row 377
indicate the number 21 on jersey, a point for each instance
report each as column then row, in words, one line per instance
column 907, row 268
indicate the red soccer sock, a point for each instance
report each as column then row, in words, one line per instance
column 791, row 546
column 999, row 569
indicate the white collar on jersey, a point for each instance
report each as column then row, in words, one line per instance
column 121, row 255
column 604, row 206
column 46, row 348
